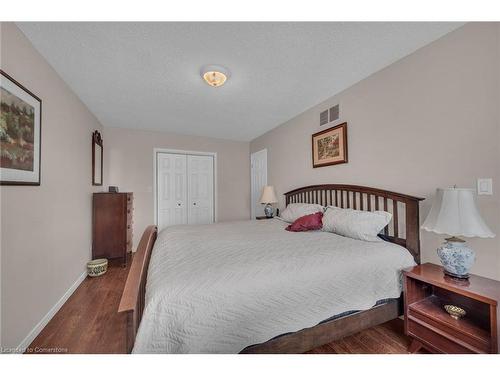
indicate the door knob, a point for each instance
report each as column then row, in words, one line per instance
column 178, row 204
column 194, row 204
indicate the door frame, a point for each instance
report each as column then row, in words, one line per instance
column 252, row 206
column 157, row 151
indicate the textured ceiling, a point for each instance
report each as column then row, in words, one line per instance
column 146, row 75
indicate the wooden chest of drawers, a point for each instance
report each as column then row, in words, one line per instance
column 112, row 225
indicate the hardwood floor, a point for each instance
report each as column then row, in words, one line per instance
column 88, row 323
column 387, row 338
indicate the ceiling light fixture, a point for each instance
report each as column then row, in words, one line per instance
column 214, row 75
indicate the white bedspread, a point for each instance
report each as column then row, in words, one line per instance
column 219, row 288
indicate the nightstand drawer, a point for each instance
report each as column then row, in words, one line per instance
column 437, row 339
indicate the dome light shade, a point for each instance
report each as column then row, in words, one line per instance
column 214, row 75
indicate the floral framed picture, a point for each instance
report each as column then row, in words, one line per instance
column 329, row 146
column 20, row 133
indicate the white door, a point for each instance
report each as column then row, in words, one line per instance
column 200, row 189
column 258, row 166
column 172, row 189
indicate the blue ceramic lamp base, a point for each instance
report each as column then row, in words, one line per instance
column 268, row 210
column 456, row 257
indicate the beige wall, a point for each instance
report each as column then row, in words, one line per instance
column 45, row 230
column 429, row 120
column 128, row 164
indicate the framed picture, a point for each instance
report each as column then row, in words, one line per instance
column 329, row 146
column 20, row 133
column 97, row 160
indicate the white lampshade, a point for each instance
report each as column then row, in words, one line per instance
column 454, row 212
column 268, row 195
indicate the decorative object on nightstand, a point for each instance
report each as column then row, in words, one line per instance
column 448, row 315
column 268, row 197
column 455, row 311
column 454, row 213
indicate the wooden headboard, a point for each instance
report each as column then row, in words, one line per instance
column 404, row 228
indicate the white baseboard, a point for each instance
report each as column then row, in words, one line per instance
column 42, row 323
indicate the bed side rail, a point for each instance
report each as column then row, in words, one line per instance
column 134, row 292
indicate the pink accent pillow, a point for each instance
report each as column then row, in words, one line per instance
column 306, row 223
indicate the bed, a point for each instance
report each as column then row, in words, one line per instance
column 252, row 287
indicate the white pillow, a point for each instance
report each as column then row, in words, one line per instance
column 360, row 225
column 295, row 210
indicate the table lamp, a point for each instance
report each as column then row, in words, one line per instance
column 454, row 213
column 268, row 197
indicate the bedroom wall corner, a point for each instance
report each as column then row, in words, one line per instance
column 46, row 229
column 128, row 164
column 429, row 120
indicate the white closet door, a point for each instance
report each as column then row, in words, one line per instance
column 258, row 165
column 200, row 189
column 172, row 189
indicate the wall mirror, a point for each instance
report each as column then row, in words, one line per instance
column 97, row 152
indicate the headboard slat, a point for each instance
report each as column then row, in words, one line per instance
column 319, row 194
column 395, row 217
column 386, row 229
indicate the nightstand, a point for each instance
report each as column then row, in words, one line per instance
column 263, row 217
column 427, row 289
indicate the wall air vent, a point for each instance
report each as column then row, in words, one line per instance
column 329, row 115
column 334, row 113
column 323, row 118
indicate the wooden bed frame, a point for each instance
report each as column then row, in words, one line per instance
column 404, row 230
